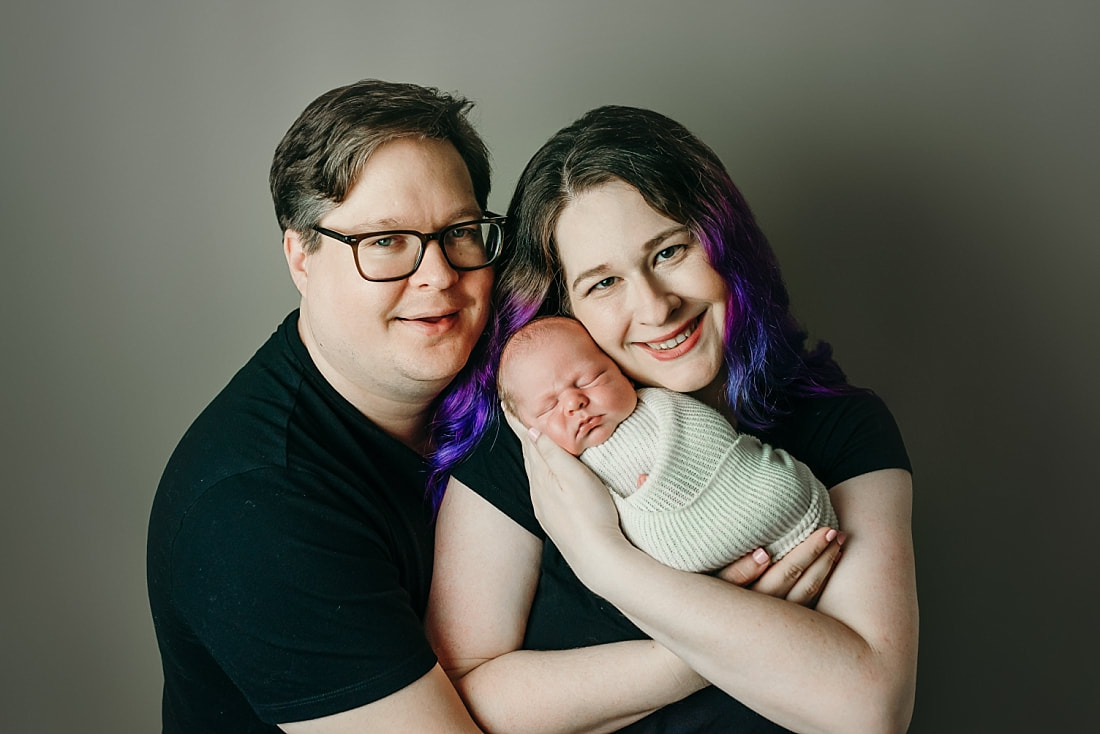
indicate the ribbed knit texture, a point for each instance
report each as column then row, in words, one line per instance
column 712, row 495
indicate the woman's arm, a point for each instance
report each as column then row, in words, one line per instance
column 852, row 662
column 486, row 569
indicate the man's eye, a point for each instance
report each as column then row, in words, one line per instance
column 382, row 242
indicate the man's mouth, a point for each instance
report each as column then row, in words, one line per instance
column 430, row 319
column 432, row 324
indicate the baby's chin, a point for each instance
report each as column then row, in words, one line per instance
column 595, row 437
column 573, row 447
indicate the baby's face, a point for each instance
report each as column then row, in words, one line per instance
column 568, row 389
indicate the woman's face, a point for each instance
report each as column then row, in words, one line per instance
column 643, row 287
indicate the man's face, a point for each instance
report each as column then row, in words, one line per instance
column 386, row 346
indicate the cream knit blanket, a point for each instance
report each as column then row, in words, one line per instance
column 712, row 495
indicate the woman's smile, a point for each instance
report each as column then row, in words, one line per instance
column 676, row 345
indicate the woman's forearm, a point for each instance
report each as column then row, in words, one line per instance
column 797, row 667
column 848, row 666
column 595, row 689
column 483, row 584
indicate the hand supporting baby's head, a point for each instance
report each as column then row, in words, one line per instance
column 554, row 378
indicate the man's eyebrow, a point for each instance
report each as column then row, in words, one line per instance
column 378, row 225
column 387, row 224
column 649, row 244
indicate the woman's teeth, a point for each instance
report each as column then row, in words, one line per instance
column 678, row 339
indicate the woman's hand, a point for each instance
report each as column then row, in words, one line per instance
column 570, row 502
column 799, row 576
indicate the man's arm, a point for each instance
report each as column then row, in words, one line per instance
column 426, row 706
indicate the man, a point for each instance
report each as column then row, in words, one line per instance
column 290, row 546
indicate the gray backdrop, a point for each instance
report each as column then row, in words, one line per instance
column 927, row 173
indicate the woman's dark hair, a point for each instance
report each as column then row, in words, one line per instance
column 682, row 179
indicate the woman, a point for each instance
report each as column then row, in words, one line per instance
column 632, row 225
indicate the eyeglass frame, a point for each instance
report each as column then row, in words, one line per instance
column 353, row 240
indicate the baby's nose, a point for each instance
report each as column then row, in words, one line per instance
column 576, row 401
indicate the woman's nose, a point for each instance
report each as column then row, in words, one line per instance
column 654, row 302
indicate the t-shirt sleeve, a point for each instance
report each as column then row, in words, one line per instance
column 305, row 628
column 841, row 437
column 495, row 471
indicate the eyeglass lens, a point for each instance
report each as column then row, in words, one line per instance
column 466, row 247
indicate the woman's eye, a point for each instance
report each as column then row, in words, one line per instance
column 667, row 253
column 603, row 284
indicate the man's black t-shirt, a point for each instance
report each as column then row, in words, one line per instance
column 837, row 437
column 290, row 552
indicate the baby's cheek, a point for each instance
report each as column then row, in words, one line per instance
column 556, row 434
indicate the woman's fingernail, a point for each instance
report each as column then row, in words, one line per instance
column 830, row 535
column 760, row 556
column 533, row 433
column 841, row 537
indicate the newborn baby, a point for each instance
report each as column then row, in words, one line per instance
column 690, row 490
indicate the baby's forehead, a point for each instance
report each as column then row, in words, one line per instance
column 555, row 340
column 560, row 342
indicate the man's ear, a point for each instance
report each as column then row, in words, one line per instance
column 296, row 259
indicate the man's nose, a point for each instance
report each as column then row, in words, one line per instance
column 434, row 268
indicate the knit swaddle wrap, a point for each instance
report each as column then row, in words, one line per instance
column 712, row 495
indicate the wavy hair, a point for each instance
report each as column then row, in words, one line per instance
column 681, row 178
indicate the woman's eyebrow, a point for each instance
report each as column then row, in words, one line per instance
column 590, row 273
column 649, row 244
column 660, row 237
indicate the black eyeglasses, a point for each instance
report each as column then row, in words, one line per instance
column 396, row 254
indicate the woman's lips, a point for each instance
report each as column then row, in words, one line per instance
column 676, row 344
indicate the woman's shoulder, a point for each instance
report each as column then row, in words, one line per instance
column 840, row 436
